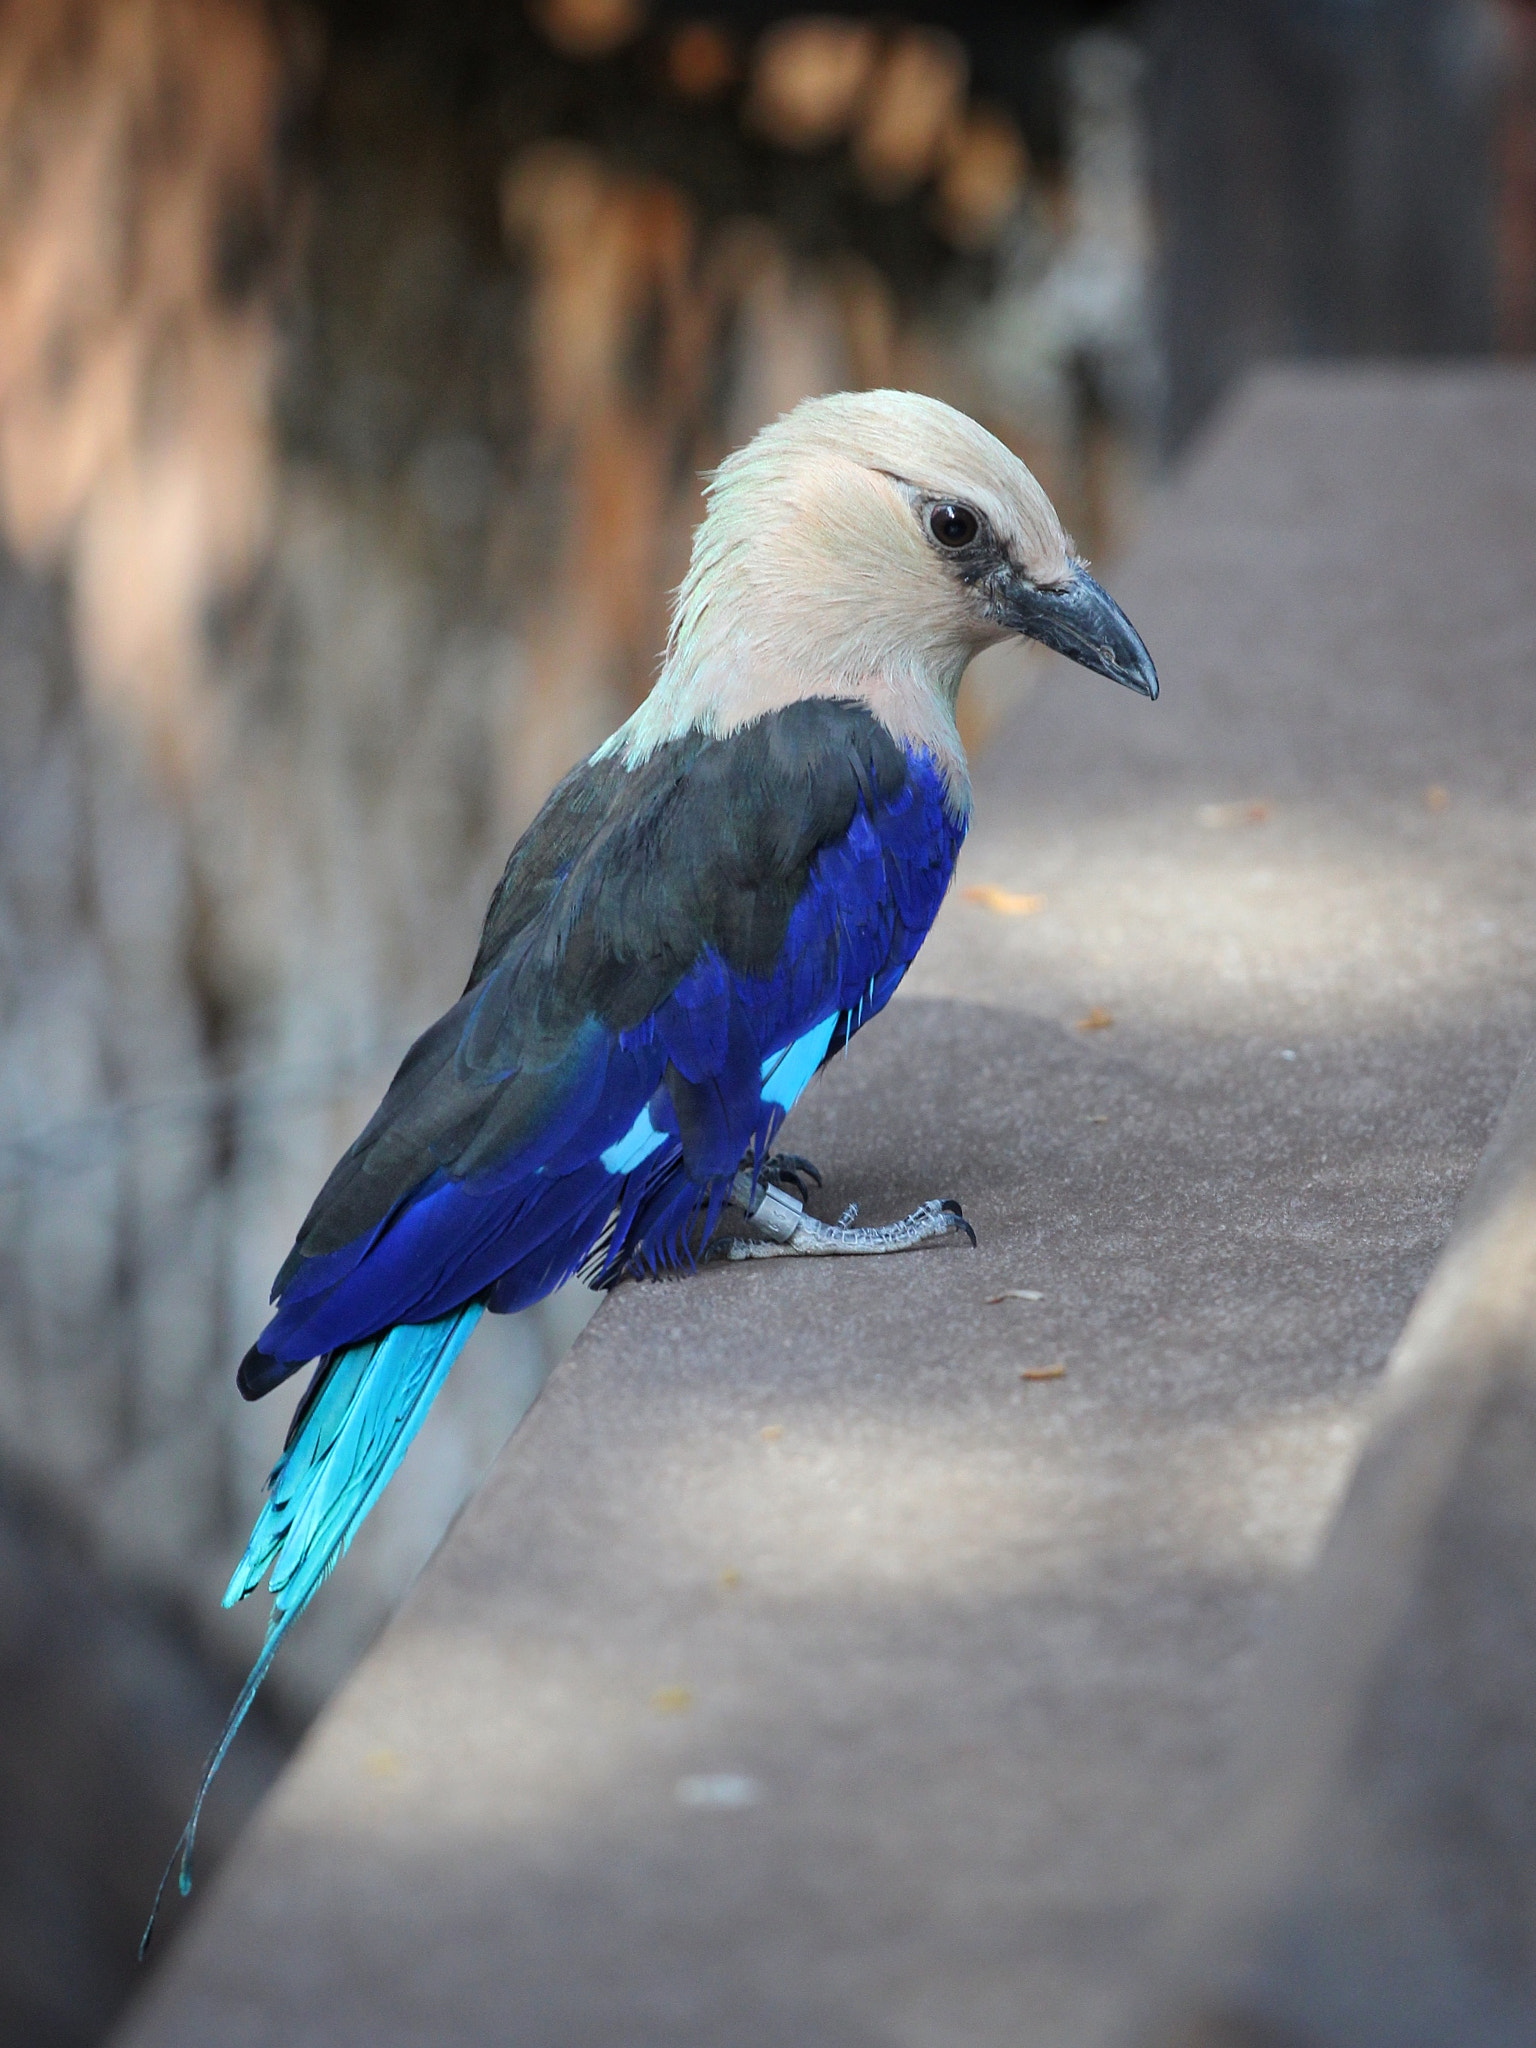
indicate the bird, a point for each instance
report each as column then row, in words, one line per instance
column 702, row 915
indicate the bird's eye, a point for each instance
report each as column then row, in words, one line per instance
column 953, row 526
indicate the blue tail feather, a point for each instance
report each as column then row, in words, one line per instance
column 369, row 1404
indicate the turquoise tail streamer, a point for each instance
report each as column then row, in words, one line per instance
column 349, row 1434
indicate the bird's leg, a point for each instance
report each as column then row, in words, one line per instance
column 783, row 1229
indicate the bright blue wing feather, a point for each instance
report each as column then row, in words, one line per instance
column 866, row 907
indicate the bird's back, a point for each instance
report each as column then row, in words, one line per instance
column 661, row 932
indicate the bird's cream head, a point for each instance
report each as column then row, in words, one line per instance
column 866, row 546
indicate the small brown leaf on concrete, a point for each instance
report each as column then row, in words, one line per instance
column 1006, row 902
column 1097, row 1019
column 772, row 1433
column 1222, row 817
column 1436, row 798
column 1044, row 1372
column 671, row 1699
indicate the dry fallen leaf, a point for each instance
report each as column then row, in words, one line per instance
column 671, row 1699
column 1006, row 902
column 1097, row 1019
column 730, row 1578
column 772, row 1433
column 1044, row 1372
column 383, row 1763
column 1436, row 798
column 1220, row 817
column 1015, row 1294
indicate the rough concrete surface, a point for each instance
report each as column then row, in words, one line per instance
column 1375, row 1885
column 804, row 1674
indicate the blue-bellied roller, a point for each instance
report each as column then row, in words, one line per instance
column 699, row 918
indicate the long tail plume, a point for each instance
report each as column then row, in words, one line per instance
column 348, row 1435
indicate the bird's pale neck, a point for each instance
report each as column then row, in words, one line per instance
column 728, row 664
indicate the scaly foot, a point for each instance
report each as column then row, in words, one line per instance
column 782, row 1229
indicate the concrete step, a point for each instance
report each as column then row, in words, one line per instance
column 1371, row 1883
column 807, row 1671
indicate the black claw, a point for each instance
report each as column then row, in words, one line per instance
column 789, row 1164
column 952, row 1208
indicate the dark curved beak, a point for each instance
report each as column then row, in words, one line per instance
column 1083, row 622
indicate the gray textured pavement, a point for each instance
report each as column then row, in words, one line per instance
column 805, row 1675
column 1372, row 1886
